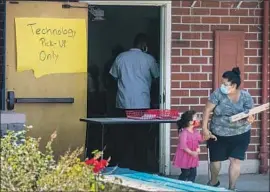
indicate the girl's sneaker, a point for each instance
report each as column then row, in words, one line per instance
column 210, row 184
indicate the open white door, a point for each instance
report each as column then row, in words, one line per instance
column 165, row 86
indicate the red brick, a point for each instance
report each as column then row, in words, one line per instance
column 203, row 100
column 180, row 27
column 174, row 141
column 180, row 44
column 203, row 157
column 260, row 38
column 175, row 101
column 198, row 93
column 250, row 68
column 199, row 60
column 207, row 35
column 255, row 12
column 246, row 44
column 255, row 44
column 210, row 4
column 254, row 28
column 175, row 52
column 189, row 3
column 252, row 155
column 250, row 52
column 191, row 36
column 180, row 93
column 203, row 149
column 215, row 20
column 200, row 12
column 254, row 76
column 180, row 60
column 239, row 28
column 207, row 68
column 180, row 11
column 175, row 68
column 254, row 92
column 191, row 19
column 199, row 44
column 175, row 35
column 239, row 12
column 247, row 20
column 207, row 52
column 206, row 84
column 198, row 108
column 191, row 52
column 198, row 76
column 219, row 12
column 175, row 84
column 180, row 76
column 190, row 84
column 255, row 60
column 219, row 27
column 253, row 132
column 176, row 19
column 249, row 5
column 210, row 59
column 176, row 3
column 251, row 148
column 183, row 108
column 190, row 68
column 230, row 20
column 227, row 4
column 200, row 28
column 189, row 100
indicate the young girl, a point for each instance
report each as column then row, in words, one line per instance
column 187, row 153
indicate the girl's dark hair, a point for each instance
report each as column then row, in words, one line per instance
column 233, row 76
column 186, row 117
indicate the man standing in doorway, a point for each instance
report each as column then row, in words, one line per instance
column 134, row 71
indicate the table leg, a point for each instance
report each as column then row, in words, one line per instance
column 102, row 139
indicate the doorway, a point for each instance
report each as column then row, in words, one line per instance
column 106, row 39
column 165, row 56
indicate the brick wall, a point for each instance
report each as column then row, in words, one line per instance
column 2, row 51
column 192, row 55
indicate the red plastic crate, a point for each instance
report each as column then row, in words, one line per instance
column 152, row 114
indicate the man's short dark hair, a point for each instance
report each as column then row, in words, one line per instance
column 139, row 39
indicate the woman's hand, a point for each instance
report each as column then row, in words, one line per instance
column 198, row 150
column 213, row 137
column 206, row 134
column 251, row 119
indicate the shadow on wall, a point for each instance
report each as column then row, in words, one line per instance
column 2, row 54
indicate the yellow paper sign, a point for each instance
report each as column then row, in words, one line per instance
column 50, row 45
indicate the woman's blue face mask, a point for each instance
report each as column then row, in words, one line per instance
column 224, row 89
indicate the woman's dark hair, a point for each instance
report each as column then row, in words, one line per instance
column 233, row 76
column 186, row 117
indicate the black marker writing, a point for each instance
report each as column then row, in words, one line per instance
column 44, row 56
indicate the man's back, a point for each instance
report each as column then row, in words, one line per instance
column 134, row 70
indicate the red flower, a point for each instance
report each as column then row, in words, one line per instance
column 98, row 165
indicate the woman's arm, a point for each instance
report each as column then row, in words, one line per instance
column 209, row 107
column 206, row 115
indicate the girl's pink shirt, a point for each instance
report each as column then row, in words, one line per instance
column 191, row 141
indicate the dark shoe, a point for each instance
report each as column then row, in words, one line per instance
column 216, row 185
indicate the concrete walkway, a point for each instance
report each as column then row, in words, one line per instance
column 247, row 182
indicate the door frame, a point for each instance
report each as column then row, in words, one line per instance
column 165, row 45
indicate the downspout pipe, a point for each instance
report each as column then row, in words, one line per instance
column 263, row 155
